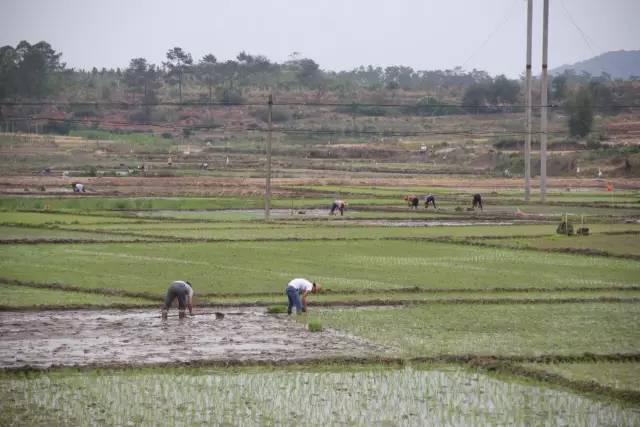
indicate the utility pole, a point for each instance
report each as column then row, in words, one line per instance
column 267, row 195
column 544, row 101
column 527, row 143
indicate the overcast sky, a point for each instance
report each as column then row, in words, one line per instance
column 338, row 34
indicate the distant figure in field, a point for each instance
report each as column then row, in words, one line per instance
column 77, row 187
column 477, row 201
column 429, row 199
column 338, row 205
column 412, row 201
column 298, row 287
column 183, row 292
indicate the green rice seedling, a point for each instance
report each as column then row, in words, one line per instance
column 276, row 309
column 314, row 325
column 349, row 395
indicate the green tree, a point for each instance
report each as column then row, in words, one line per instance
column 601, row 95
column 8, row 72
column 178, row 62
column 559, row 87
column 135, row 76
column 206, row 71
column 29, row 70
column 308, row 73
column 580, row 113
column 503, row 91
column 144, row 79
column 475, row 96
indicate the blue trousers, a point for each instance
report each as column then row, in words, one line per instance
column 294, row 299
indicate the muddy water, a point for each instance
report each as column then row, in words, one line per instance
column 258, row 213
column 55, row 338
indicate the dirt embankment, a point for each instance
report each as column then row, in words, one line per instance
column 176, row 186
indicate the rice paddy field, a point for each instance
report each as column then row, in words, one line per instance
column 446, row 316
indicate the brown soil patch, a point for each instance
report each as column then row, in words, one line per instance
column 140, row 337
column 175, row 186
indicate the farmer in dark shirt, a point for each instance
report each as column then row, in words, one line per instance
column 412, row 201
column 477, row 201
column 429, row 199
column 183, row 292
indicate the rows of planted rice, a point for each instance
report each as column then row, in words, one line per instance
column 349, row 396
column 339, row 265
column 618, row 244
column 619, row 375
column 495, row 329
column 16, row 296
column 473, row 295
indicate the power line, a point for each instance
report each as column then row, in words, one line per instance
column 126, row 105
column 390, row 133
column 582, row 33
column 497, row 28
column 586, row 38
column 405, row 134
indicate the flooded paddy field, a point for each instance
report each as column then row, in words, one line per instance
column 333, row 395
column 140, row 337
column 511, row 329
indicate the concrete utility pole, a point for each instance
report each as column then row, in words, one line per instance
column 543, row 101
column 527, row 143
column 267, row 195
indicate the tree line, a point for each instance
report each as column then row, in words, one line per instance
column 33, row 72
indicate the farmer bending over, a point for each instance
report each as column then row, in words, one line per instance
column 429, row 199
column 338, row 205
column 477, row 201
column 297, row 287
column 412, row 201
column 77, row 187
column 183, row 291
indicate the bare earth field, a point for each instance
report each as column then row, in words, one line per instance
column 140, row 337
column 184, row 185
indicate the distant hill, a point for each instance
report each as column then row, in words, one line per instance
column 620, row 64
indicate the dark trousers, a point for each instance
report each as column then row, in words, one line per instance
column 176, row 290
column 294, row 299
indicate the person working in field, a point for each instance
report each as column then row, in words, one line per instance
column 429, row 199
column 77, row 187
column 477, row 201
column 412, row 201
column 295, row 289
column 183, row 292
column 338, row 205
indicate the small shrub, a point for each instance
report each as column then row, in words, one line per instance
column 314, row 326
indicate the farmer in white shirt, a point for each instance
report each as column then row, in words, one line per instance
column 298, row 287
column 338, row 205
column 183, row 291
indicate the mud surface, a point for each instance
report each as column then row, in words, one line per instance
column 52, row 338
column 258, row 213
